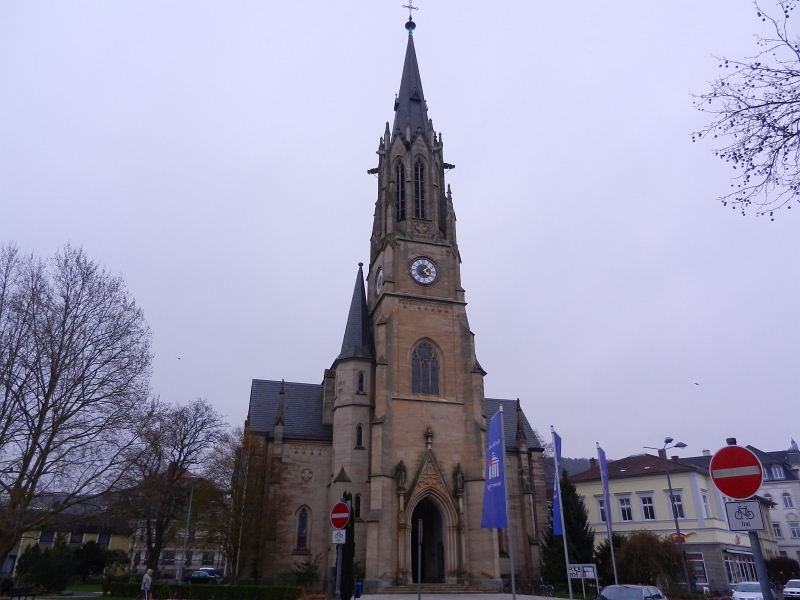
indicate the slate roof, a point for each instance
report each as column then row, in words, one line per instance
column 492, row 405
column 410, row 103
column 302, row 410
column 357, row 342
column 637, row 466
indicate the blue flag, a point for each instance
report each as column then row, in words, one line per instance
column 557, row 529
column 606, row 496
column 494, row 491
column 556, row 509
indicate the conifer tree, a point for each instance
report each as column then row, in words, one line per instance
column 580, row 537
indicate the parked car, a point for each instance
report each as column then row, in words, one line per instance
column 202, row 577
column 792, row 589
column 747, row 590
column 631, row 592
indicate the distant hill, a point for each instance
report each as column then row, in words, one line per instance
column 572, row 465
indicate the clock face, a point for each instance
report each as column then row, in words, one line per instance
column 423, row 271
column 379, row 282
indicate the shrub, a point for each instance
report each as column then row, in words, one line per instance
column 206, row 592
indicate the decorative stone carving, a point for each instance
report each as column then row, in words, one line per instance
column 422, row 227
column 400, row 475
column 458, row 479
column 425, row 306
column 430, row 477
column 307, row 450
column 306, row 475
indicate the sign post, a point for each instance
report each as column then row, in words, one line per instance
column 340, row 517
column 584, row 572
column 737, row 473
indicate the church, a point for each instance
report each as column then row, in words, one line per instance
column 399, row 419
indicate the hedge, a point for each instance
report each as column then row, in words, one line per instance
column 164, row 591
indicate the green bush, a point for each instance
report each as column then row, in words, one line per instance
column 206, row 592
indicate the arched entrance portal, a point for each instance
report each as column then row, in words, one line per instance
column 433, row 570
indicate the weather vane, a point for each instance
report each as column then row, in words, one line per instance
column 410, row 6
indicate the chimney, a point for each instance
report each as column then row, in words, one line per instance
column 662, row 454
column 675, row 457
column 592, row 463
column 706, row 452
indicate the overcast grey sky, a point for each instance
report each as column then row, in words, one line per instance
column 215, row 155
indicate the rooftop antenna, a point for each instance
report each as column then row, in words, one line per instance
column 410, row 25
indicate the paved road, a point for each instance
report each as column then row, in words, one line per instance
column 450, row 596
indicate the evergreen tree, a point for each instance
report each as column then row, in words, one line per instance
column 580, row 537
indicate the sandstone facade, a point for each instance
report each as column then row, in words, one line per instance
column 399, row 419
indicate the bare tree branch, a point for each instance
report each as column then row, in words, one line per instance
column 755, row 108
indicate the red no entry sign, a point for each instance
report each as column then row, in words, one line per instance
column 736, row 472
column 340, row 515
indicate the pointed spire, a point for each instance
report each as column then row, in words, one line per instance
column 279, row 414
column 793, row 446
column 520, row 423
column 409, row 106
column 357, row 342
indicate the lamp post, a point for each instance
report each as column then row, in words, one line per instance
column 663, row 450
column 193, row 479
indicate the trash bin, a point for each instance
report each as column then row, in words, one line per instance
column 359, row 589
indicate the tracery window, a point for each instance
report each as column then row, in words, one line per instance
column 419, row 190
column 425, row 370
column 400, row 200
column 302, row 530
column 360, row 383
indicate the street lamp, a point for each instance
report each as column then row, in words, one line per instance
column 193, row 479
column 663, row 450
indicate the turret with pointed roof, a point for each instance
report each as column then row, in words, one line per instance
column 357, row 342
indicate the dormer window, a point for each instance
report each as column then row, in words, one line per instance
column 419, row 190
column 777, row 472
column 400, row 199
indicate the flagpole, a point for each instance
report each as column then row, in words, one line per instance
column 561, row 508
column 607, row 502
column 508, row 513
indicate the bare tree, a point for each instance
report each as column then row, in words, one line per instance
column 177, row 439
column 247, row 523
column 74, row 363
column 755, row 108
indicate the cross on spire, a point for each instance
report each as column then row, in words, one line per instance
column 410, row 6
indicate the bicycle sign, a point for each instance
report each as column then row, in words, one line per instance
column 744, row 515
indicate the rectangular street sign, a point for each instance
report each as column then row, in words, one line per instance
column 744, row 515
column 339, row 536
column 583, row 571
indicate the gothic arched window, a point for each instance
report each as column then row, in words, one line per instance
column 302, row 530
column 425, row 370
column 360, row 383
column 359, row 436
column 419, row 190
column 357, row 507
column 400, row 200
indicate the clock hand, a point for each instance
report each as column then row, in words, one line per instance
column 426, row 271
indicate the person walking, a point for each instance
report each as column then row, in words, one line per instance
column 147, row 584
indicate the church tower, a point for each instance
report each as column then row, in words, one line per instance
column 428, row 428
column 399, row 419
